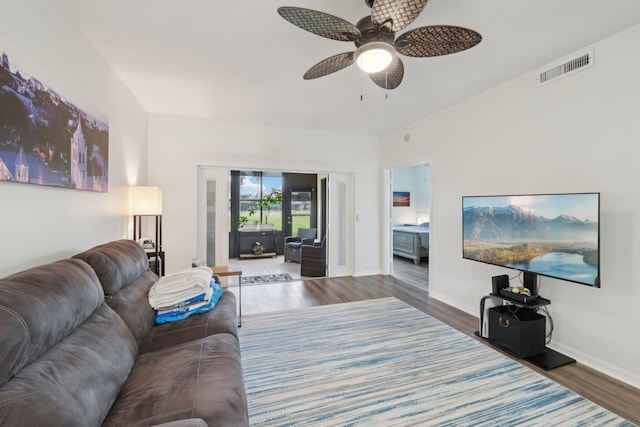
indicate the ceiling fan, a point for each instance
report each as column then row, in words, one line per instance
column 375, row 39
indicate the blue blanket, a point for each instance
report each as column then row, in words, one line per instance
column 194, row 308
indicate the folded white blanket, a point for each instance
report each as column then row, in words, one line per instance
column 199, row 276
column 178, row 287
column 189, row 307
column 173, row 299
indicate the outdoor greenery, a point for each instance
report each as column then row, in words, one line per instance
column 257, row 206
column 275, row 218
column 263, row 207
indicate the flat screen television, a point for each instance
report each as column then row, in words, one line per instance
column 554, row 235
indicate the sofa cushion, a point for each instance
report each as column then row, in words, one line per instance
column 41, row 306
column 199, row 379
column 222, row 319
column 127, row 294
column 116, row 263
column 121, row 267
column 76, row 382
column 132, row 304
column 191, row 422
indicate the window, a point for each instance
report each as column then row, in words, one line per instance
column 260, row 198
column 300, row 210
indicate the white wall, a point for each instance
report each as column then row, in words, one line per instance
column 177, row 146
column 578, row 134
column 41, row 224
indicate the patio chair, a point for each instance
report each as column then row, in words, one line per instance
column 313, row 259
column 292, row 244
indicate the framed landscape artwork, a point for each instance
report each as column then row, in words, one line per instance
column 45, row 138
column 401, row 198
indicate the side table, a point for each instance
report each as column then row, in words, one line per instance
column 225, row 271
column 156, row 261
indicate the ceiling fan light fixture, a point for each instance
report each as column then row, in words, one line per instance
column 374, row 57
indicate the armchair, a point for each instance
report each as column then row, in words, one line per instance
column 292, row 244
column 313, row 260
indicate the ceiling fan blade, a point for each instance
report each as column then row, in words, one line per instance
column 436, row 40
column 396, row 14
column 391, row 77
column 320, row 23
column 329, row 65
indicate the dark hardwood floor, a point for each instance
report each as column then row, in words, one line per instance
column 618, row 397
column 413, row 274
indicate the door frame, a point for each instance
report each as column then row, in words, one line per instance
column 297, row 182
column 340, row 225
column 388, row 216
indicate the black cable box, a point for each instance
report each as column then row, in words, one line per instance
column 518, row 297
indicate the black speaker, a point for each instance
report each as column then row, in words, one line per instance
column 530, row 281
column 499, row 282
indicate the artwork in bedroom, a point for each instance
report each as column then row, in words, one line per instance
column 47, row 139
column 401, row 198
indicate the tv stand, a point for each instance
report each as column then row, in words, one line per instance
column 549, row 358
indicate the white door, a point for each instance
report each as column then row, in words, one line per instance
column 388, row 222
column 340, row 248
column 213, row 193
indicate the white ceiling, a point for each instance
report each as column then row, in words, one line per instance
column 240, row 61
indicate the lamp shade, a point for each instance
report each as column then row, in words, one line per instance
column 374, row 57
column 145, row 200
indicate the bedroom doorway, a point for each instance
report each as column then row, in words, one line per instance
column 409, row 213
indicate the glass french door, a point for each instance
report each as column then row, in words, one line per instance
column 300, row 213
column 340, row 226
column 212, row 219
column 300, row 202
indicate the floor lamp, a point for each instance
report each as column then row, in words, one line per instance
column 146, row 201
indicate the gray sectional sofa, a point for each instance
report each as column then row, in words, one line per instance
column 79, row 347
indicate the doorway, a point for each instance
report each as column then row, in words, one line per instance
column 300, row 202
column 333, row 216
column 410, row 212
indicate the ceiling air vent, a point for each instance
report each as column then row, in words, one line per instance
column 576, row 63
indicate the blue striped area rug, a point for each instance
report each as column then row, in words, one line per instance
column 384, row 363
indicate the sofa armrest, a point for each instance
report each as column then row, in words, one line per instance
column 313, row 247
column 288, row 239
column 191, row 422
column 308, row 242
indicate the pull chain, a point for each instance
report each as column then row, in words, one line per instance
column 386, row 83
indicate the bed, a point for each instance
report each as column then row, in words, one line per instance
column 411, row 241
